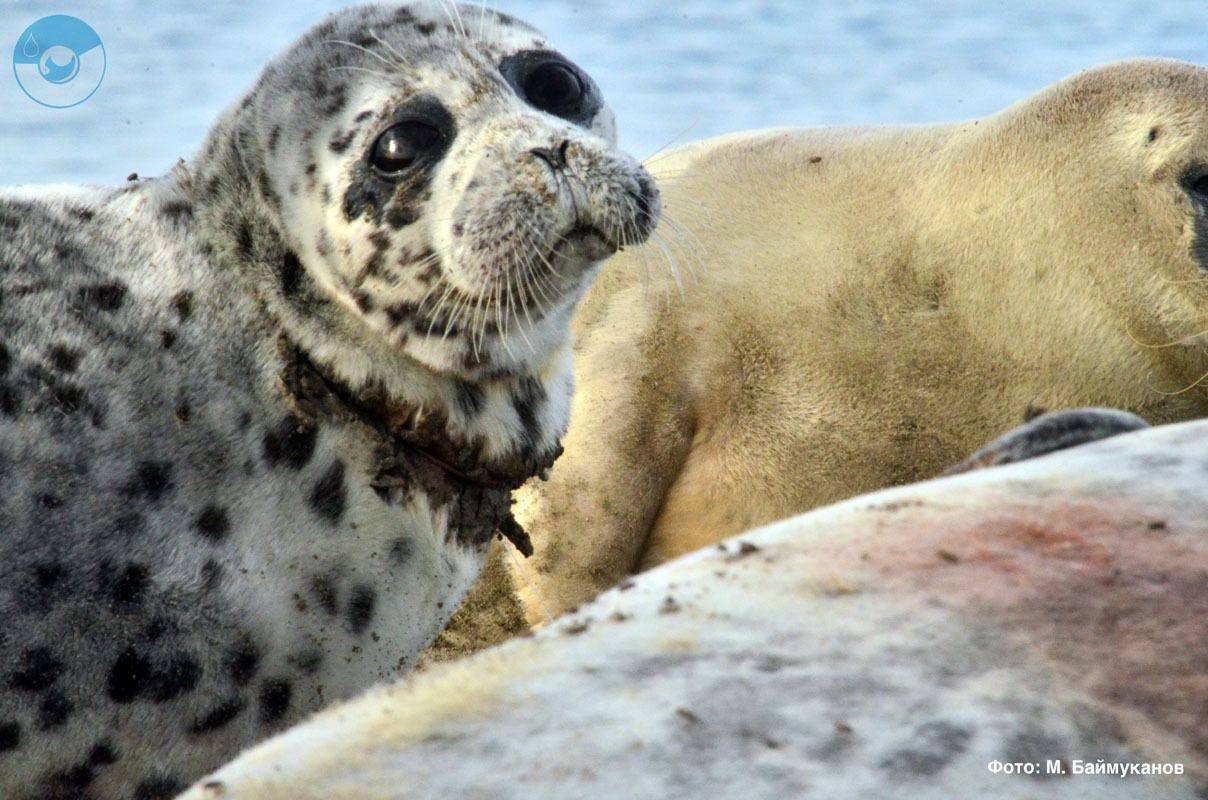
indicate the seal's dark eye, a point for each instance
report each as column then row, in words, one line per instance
column 553, row 87
column 1199, row 189
column 402, row 145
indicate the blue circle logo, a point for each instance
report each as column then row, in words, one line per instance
column 59, row 61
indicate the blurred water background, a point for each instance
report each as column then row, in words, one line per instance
column 674, row 70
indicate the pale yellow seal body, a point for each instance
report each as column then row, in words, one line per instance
column 868, row 307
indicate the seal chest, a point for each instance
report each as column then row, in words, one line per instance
column 260, row 418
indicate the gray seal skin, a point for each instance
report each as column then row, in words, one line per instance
column 260, row 418
column 1047, row 433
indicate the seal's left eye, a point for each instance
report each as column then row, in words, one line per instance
column 402, row 145
column 553, row 87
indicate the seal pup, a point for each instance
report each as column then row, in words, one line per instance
column 873, row 305
column 260, row 418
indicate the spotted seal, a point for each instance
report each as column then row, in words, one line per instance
column 260, row 417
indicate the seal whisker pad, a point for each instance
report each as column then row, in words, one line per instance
column 261, row 418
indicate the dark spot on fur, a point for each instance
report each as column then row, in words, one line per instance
column 159, row 788
column 933, row 747
column 50, row 501
column 243, row 239
column 308, row 661
column 426, row 28
column 323, row 588
column 400, row 215
column 177, row 210
column 48, row 575
column 528, row 400
column 103, row 296
column 364, row 301
column 127, row 525
column 328, row 498
column 274, row 138
column 10, row 401
column 129, row 676
column 291, row 273
column 70, row 781
column 360, row 608
column 218, row 716
column 179, row 675
column 342, row 142
column 130, row 587
column 54, row 710
column 39, row 670
column 6, row 360
column 401, row 550
column 167, row 339
column 64, row 359
column 102, row 754
column 243, row 661
column 152, row 480
column 469, row 398
column 274, row 700
column 213, row 523
column 67, row 398
column 364, row 115
column 182, row 304
column 338, row 98
column 291, row 444
column 10, row 735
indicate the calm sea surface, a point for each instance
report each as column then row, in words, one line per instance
column 674, row 70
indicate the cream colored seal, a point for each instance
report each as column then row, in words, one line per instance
column 869, row 306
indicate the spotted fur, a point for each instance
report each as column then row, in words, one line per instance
column 259, row 418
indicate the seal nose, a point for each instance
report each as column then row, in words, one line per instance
column 554, row 157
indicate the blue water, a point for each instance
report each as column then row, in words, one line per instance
column 674, row 70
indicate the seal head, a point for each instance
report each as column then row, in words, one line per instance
column 441, row 176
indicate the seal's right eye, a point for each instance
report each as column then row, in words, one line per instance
column 402, row 145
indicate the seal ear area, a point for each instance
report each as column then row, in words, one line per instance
column 549, row 82
column 1195, row 184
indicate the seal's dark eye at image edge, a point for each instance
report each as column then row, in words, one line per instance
column 531, row 73
column 1197, row 185
column 553, row 86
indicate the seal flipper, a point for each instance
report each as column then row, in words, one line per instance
column 1049, row 433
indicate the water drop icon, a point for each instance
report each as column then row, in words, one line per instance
column 59, row 61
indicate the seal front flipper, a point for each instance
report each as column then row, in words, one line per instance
column 1049, row 433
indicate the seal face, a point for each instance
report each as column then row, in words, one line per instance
column 446, row 176
column 260, row 418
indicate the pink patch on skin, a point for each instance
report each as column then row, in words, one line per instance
column 1114, row 605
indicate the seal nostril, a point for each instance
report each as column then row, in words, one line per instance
column 555, row 158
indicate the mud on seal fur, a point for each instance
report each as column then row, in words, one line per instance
column 259, row 418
